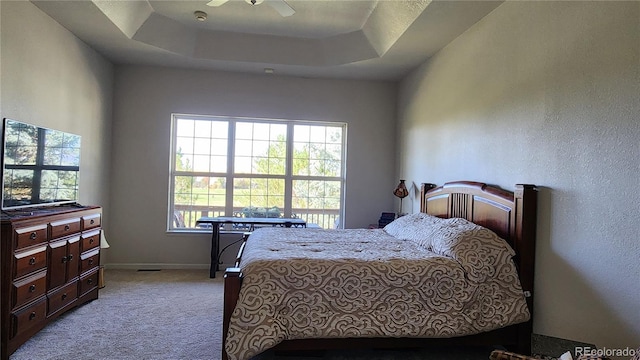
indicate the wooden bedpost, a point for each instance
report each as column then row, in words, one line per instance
column 526, row 200
column 424, row 187
column 525, row 197
column 232, row 282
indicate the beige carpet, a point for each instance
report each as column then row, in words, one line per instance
column 169, row 314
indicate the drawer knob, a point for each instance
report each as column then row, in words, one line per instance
column 90, row 261
column 32, row 315
column 32, row 288
column 91, row 241
column 64, row 259
column 90, row 281
column 92, row 222
column 64, row 296
column 70, row 257
column 33, row 236
column 32, row 261
column 67, row 227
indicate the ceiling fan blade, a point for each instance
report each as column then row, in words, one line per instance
column 281, row 7
column 216, row 2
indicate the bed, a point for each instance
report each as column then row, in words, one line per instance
column 305, row 289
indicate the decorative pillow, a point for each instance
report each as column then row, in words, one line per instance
column 417, row 227
column 479, row 250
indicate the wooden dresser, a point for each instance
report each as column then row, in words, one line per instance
column 50, row 262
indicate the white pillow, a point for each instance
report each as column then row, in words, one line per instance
column 417, row 227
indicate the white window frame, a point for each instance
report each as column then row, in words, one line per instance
column 230, row 175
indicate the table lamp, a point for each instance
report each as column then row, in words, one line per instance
column 401, row 192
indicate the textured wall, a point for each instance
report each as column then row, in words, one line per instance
column 546, row 93
column 52, row 79
column 145, row 97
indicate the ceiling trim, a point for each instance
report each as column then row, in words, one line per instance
column 384, row 26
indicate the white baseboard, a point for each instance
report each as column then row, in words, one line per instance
column 159, row 266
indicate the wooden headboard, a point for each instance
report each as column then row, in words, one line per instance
column 511, row 215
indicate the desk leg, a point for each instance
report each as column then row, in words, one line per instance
column 215, row 245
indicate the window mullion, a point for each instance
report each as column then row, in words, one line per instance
column 194, row 173
column 319, row 178
column 230, row 176
column 288, row 181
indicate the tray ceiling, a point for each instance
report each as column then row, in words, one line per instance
column 367, row 39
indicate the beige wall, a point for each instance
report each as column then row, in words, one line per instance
column 50, row 78
column 145, row 97
column 546, row 93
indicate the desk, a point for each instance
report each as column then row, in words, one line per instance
column 216, row 222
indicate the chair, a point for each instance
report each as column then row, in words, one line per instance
column 178, row 219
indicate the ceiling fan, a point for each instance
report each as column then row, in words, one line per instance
column 278, row 5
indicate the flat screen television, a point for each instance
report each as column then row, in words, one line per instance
column 40, row 166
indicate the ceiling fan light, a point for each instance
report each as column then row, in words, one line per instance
column 254, row 2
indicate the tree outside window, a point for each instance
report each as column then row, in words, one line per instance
column 256, row 168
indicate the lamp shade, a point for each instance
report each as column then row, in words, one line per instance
column 103, row 241
column 401, row 190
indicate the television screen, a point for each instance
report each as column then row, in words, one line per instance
column 40, row 166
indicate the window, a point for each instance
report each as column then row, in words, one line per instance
column 223, row 166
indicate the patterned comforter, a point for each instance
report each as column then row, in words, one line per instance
column 313, row 283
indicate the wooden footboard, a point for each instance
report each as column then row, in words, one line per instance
column 232, row 283
column 512, row 215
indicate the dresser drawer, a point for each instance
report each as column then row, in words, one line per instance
column 88, row 281
column 30, row 260
column 29, row 236
column 91, row 221
column 89, row 260
column 29, row 317
column 90, row 240
column 29, row 289
column 64, row 227
column 63, row 297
